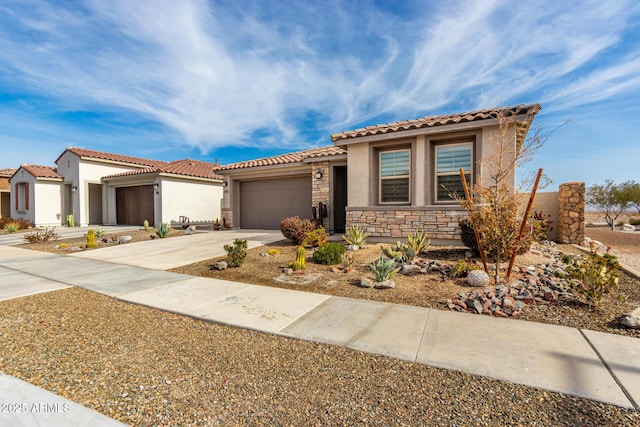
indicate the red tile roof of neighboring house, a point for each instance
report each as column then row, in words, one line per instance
column 298, row 156
column 7, row 172
column 432, row 121
column 41, row 171
column 100, row 155
column 186, row 167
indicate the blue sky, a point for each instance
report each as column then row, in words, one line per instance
column 236, row 80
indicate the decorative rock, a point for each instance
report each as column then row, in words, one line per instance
column 298, row 272
column 410, row 270
column 631, row 320
column 478, row 278
column 519, row 305
column 287, row 271
column 474, row 304
column 387, row 284
column 124, row 239
column 264, row 254
column 628, row 227
column 366, row 283
column 335, row 270
column 353, row 248
column 220, row 265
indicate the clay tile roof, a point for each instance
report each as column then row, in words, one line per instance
column 186, row 167
column 296, row 157
column 432, row 121
column 92, row 154
column 42, row 171
column 7, row 172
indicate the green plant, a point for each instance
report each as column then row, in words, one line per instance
column 22, row 224
column 594, row 275
column 70, row 221
column 43, row 235
column 163, row 230
column 356, row 235
column 294, row 228
column 145, row 224
column 329, row 253
column 12, row 227
column 91, row 238
column 100, row 232
column 540, row 226
column 400, row 253
column 273, row 252
column 383, row 268
column 237, row 253
column 418, row 241
column 315, row 238
column 463, row 267
column 300, row 262
column 634, row 221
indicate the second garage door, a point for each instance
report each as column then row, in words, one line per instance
column 134, row 205
column 264, row 203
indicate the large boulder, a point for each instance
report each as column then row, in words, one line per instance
column 477, row 278
column 631, row 320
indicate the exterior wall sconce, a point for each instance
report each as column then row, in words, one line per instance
column 225, row 183
column 319, row 174
column 74, row 188
column 156, row 186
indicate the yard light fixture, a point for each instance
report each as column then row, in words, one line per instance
column 156, row 186
column 225, row 183
column 319, row 174
column 74, row 188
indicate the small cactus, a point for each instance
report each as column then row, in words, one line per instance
column 91, row 238
column 145, row 224
column 299, row 263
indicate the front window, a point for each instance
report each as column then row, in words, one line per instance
column 394, row 176
column 449, row 160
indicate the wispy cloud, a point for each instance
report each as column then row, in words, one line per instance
column 264, row 73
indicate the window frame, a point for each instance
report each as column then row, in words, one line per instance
column 436, row 174
column 407, row 176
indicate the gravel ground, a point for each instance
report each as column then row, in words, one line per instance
column 147, row 367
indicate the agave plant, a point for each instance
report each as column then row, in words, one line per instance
column 383, row 268
column 356, row 235
column 400, row 252
column 418, row 241
column 162, row 230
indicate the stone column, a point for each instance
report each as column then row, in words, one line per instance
column 320, row 189
column 571, row 201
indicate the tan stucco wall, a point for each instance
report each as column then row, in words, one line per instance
column 358, row 167
column 199, row 201
column 547, row 202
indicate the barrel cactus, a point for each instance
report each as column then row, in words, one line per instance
column 91, row 238
column 299, row 263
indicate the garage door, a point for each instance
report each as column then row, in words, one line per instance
column 264, row 203
column 134, row 205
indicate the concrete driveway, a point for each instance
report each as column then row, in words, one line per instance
column 163, row 254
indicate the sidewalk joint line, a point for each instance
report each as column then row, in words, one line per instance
column 615, row 378
column 424, row 331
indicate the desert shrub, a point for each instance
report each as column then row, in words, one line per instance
column 463, row 267
column 634, row 221
column 348, row 258
column 43, row 235
column 315, row 237
column 329, row 253
column 418, row 241
column 383, row 268
column 356, row 235
column 163, row 230
column 22, row 224
column 300, row 263
column 294, row 228
column 540, row 225
column 237, row 253
column 594, row 275
column 400, row 252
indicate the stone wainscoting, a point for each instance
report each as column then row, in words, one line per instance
column 571, row 225
column 436, row 222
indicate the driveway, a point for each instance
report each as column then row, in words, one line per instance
column 164, row 254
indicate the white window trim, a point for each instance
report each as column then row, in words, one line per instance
column 436, row 174
column 408, row 201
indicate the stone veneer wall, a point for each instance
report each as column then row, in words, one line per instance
column 227, row 214
column 320, row 189
column 571, row 199
column 399, row 222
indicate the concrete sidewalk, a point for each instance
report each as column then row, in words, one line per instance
column 592, row 365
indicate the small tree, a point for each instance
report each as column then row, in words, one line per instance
column 495, row 202
column 610, row 199
column 631, row 190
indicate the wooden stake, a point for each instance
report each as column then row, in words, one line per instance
column 523, row 225
column 471, row 209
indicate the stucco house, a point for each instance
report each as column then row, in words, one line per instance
column 391, row 178
column 5, row 192
column 105, row 188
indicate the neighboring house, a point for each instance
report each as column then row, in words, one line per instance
column 5, row 192
column 106, row 188
column 391, row 178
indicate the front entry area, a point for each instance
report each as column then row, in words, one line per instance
column 134, row 205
